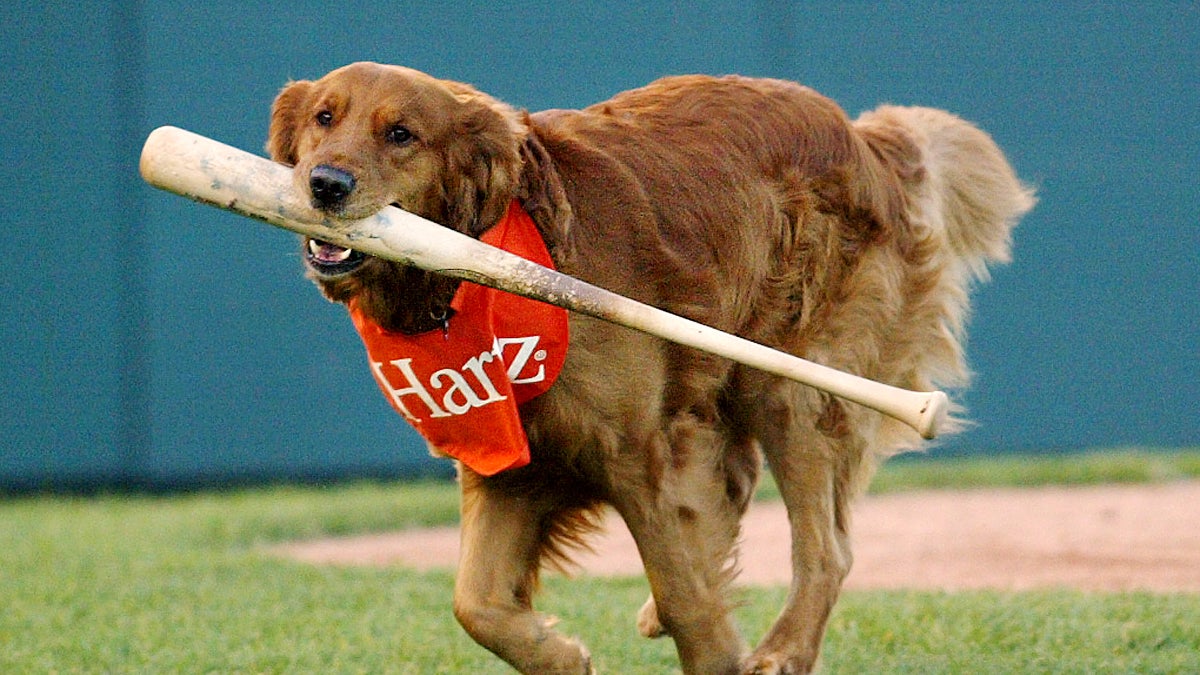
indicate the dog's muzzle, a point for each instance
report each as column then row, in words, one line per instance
column 329, row 187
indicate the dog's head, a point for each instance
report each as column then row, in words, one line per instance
column 369, row 135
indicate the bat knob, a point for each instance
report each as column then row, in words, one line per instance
column 934, row 415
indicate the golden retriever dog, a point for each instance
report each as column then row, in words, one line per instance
column 752, row 205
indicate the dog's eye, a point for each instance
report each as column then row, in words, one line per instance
column 398, row 135
column 324, row 118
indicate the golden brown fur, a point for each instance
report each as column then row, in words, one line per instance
column 752, row 205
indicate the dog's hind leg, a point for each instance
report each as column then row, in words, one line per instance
column 685, row 523
column 503, row 537
column 817, row 468
column 689, row 609
column 741, row 463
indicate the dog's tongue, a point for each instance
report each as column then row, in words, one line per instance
column 327, row 252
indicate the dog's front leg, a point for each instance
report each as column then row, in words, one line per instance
column 498, row 567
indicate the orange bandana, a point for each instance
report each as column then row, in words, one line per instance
column 460, row 388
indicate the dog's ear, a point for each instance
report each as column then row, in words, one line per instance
column 483, row 162
column 541, row 190
column 287, row 115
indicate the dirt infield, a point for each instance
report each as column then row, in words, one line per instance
column 1109, row 538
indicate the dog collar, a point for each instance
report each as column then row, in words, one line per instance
column 460, row 386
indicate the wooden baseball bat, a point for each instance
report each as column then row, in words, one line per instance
column 211, row 172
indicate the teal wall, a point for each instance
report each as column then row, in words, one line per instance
column 147, row 341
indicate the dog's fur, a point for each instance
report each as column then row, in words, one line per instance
column 752, row 205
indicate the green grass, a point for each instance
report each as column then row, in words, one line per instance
column 1129, row 465
column 181, row 584
column 930, row 472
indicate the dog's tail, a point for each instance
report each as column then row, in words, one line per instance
column 962, row 200
column 957, row 180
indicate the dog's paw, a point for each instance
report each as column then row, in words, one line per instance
column 773, row 664
column 648, row 624
column 588, row 668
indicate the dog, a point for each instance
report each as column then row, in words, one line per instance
column 755, row 206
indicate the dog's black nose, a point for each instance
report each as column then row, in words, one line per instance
column 329, row 185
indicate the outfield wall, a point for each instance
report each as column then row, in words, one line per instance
column 151, row 342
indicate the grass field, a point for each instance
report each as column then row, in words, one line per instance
column 121, row 584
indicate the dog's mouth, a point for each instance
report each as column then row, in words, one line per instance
column 331, row 260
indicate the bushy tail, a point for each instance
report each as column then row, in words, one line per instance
column 962, row 200
column 960, row 185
